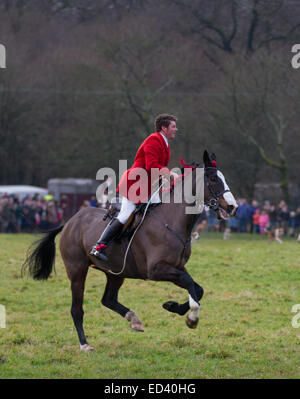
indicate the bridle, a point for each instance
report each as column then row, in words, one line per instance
column 213, row 203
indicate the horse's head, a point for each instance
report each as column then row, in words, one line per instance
column 217, row 194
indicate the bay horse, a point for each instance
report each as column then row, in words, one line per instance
column 159, row 251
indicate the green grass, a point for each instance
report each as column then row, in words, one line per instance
column 244, row 331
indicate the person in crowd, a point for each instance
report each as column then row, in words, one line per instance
column 283, row 216
column 273, row 217
column 267, row 206
column 43, row 214
column 253, row 208
column 93, row 201
column 255, row 221
column 243, row 214
column 263, row 222
column 233, row 225
column 221, row 226
column 211, row 220
column 53, row 217
column 28, row 212
column 7, row 215
column 63, row 212
column 12, row 222
column 49, row 196
column 292, row 224
column 19, row 215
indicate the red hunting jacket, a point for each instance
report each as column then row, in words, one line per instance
column 153, row 153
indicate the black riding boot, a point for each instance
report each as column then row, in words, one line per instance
column 110, row 232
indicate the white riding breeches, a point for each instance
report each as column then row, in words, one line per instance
column 128, row 207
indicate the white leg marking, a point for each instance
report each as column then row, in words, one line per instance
column 86, row 348
column 195, row 308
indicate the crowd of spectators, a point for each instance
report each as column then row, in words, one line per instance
column 28, row 215
column 258, row 218
column 34, row 213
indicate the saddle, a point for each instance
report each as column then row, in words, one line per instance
column 133, row 220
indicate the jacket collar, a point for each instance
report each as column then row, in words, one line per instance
column 162, row 140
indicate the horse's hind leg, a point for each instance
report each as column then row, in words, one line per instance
column 77, row 287
column 181, row 309
column 110, row 300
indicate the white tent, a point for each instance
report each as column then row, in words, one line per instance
column 22, row 191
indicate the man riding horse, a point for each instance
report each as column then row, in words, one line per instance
column 154, row 153
column 161, row 248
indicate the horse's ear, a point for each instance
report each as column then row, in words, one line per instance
column 213, row 160
column 206, row 159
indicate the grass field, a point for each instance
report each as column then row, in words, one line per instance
column 245, row 328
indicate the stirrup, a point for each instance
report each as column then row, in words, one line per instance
column 98, row 254
column 110, row 232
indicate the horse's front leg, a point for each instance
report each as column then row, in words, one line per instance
column 110, row 300
column 162, row 272
column 181, row 309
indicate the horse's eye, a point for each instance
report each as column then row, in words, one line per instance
column 213, row 178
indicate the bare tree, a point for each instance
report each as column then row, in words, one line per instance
column 138, row 71
column 233, row 26
column 261, row 107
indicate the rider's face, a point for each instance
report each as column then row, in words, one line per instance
column 170, row 131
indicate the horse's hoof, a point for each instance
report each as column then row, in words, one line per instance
column 135, row 322
column 86, row 348
column 191, row 323
column 137, row 327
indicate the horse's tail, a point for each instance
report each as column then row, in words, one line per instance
column 41, row 256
